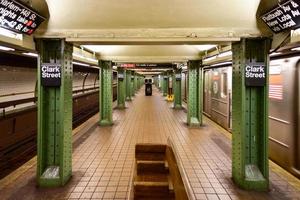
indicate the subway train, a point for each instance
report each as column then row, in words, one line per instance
column 18, row 111
column 284, row 105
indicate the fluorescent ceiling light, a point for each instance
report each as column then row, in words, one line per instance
column 222, row 63
column 205, row 47
column 296, row 49
column 101, row 48
column 275, row 53
column 3, row 48
column 8, row 33
column 92, row 59
column 210, row 58
column 81, row 64
column 30, row 54
column 226, row 53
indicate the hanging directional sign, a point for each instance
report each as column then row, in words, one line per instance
column 285, row 16
column 255, row 74
column 18, row 17
column 51, row 74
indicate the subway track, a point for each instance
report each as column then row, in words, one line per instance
column 21, row 151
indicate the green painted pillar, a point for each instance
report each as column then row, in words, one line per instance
column 54, row 140
column 105, row 98
column 135, row 83
column 132, row 84
column 161, row 80
column 194, row 101
column 121, row 88
column 165, row 84
column 128, row 85
column 250, row 168
column 177, row 89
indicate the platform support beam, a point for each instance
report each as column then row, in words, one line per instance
column 128, row 85
column 165, row 84
column 250, row 168
column 105, row 98
column 121, row 88
column 135, row 83
column 54, row 140
column 194, row 99
column 132, row 84
column 177, row 89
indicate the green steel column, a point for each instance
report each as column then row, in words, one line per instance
column 161, row 80
column 135, row 83
column 177, row 89
column 194, row 101
column 105, row 99
column 128, row 85
column 54, row 140
column 132, row 84
column 250, row 168
column 121, row 88
column 165, row 84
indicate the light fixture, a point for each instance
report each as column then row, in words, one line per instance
column 222, row 63
column 3, row 48
column 10, row 34
column 31, row 54
column 296, row 49
column 210, row 58
column 226, row 53
column 205, row 47
column 81, row 64
column 92, row 60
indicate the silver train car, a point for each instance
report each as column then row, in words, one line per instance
column 284, row 106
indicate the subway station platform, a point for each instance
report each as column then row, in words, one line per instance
column 103, row 158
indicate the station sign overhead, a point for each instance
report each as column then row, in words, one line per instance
column 18, row 17
column 285, row 16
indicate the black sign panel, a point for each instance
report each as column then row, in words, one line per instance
column 178, row 77
column 255, row 74
column 283, row 17
column 51, row 74
column 120, row 76
column 18, row 18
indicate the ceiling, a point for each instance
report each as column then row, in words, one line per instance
column 144, row 21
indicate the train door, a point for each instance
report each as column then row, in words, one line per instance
column 207, row 92
column 283, row 105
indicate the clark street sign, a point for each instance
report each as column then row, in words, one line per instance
column 255, row 74
column 51, row 74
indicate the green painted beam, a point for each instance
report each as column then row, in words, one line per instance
column 128, row 85
column 250, row 168
column 177, row 89
column 121, row 88
column 105, row 98
column 194, row 99
column 54, row 139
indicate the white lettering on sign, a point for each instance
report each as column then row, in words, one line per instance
column 50, row 72
column 255, row 75
column 254, row 71
column 284, row 16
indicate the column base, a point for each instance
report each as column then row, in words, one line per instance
column 194, row 122
column 105, row 122
column 177, row 107
column 50, row 178
column 121, row 107
column 253, row 179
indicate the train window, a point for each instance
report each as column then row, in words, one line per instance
column 224, row 85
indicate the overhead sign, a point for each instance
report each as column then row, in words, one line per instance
column 255, row 74
column 283, row 17
column 127, row 65
column 51, row 74
column 19, row 18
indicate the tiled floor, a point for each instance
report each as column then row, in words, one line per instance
column 103, row 158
